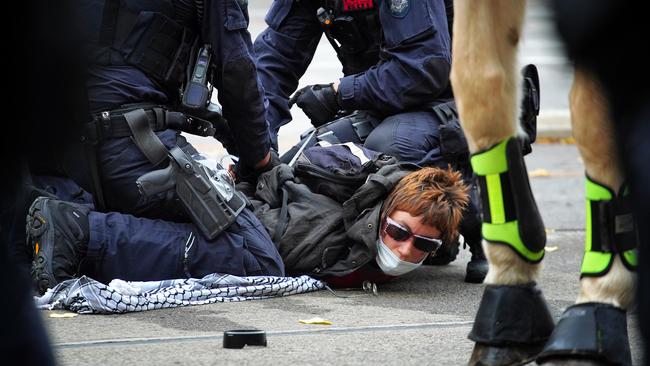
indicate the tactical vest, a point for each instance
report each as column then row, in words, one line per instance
column 155, row 36
column 355, row 25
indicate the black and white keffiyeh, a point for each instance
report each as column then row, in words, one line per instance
column 85, row 295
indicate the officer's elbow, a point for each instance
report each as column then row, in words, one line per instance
column 435, row 72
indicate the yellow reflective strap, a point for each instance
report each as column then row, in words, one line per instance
column 594, row 262
column 509, row 233
column 596, row 192
column 631, row 257
column 492, row 161
column 495, row 197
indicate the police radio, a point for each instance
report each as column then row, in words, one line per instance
column 196, row 94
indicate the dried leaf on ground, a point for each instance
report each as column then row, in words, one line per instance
column 63, row 315
column 316, row 320
column 539, row 173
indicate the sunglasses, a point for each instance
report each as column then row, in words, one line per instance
column 399, row 233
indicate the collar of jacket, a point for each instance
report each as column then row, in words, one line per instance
column 375, row 190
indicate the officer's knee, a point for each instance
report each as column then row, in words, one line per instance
column 407, row 136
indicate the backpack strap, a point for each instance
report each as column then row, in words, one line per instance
column 453, row 144
column 356, row 151
column 283, row 219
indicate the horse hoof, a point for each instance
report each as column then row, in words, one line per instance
column 574, row 362
column 485, row 355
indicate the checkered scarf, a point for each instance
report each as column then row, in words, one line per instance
column 85, row 295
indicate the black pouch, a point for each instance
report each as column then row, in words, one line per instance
column 453, row 144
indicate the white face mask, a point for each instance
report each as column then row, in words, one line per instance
column 390, row 263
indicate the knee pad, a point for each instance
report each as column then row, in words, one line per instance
column 453, row 144
column 610, row 229
column 510, row 214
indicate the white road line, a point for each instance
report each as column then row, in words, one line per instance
column 217, row 336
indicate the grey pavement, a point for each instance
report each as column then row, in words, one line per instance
column 422, row 318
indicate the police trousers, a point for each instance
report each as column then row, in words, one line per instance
column 139, row 249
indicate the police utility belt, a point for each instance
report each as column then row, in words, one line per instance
column 112, row 124
column 209, row 197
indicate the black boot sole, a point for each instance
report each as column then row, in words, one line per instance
column 41, row 242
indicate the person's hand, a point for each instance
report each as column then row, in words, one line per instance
column 244, row 173
column 319, row 102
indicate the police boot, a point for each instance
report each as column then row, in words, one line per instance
column 443, row 256
column 57, row 234
column 477, row 267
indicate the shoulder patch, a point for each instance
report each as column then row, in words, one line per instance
column 399, row 8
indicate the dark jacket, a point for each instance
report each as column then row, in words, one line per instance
column 318, row 235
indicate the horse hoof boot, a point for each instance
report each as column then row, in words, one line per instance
column 589, row 334
column 575, row 362
column 485, row 355
column 511, row 326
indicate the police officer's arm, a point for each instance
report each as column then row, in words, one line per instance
column 416, row 60
column 235, row 77
column 284, row 51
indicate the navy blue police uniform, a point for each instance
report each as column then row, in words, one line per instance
column 139, row 53
column 396, row 57
column 140, row 249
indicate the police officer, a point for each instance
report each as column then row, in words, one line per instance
column 141, row 54
column 142, row 57
column 396, row 58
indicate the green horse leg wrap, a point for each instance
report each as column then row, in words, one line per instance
column 610, row 229
column 510, row 214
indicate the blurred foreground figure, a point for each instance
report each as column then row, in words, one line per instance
column 45, row 52
column 594, row 33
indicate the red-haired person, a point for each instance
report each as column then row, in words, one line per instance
column 398, row 216
column 421, row 213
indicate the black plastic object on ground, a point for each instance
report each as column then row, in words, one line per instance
column 243, row 337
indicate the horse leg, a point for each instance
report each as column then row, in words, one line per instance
column 594, row 331
column 513, row 321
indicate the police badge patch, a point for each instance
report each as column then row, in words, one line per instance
column 399, row 8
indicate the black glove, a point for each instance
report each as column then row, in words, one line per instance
column 529, row 106
column 319, row 102
column 244, row 173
